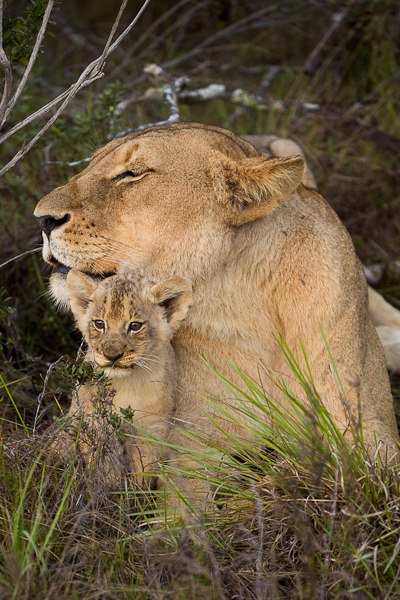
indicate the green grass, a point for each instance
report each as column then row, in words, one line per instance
column 298, row 511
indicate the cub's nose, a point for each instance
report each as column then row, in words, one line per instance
column 49, row 223
column 112, row 354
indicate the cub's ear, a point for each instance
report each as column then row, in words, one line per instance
column 175, row 296
column 79, row 289
column 257, row 185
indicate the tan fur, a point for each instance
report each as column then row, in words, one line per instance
column 384, row 316
column 387, row 322
column 267, row 258
column 140, row 365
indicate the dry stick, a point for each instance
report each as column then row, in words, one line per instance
column 248, row 21
column 92, row 72
column 5, row 65
column 32, row 59
column 337, row 19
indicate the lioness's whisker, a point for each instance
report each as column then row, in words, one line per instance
column 118, row 254
column 118, row 243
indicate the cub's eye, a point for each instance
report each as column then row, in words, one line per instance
column 135, row 326
column 99, row 325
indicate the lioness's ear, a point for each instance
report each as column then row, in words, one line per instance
column 175, row 296
column 257, row 185
column 79, row 288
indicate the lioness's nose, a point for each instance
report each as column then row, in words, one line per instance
column 48, row 223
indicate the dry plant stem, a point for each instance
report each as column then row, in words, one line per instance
column 42, row 393
column 92, row 72
column 5, row 65
column 260, row 592
column 32, row 59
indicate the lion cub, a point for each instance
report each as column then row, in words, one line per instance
column 128, row 323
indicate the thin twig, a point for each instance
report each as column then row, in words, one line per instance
column 32, row 60
column 72, row 163
column 10, row 260
column 112, row 32
column 337, row 19
column 5, row 65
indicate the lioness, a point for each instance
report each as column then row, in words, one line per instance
column 267, row 256
column 128, row 324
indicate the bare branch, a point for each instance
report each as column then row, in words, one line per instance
column 41, row 112
column 5, row 65
column 92, row 72
column 32, row 59
column 81, row 82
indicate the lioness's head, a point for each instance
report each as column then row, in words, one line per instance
column 126, row 320
column 168, row 199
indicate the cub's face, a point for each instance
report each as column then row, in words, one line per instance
column 167, row 200
column 126, row 321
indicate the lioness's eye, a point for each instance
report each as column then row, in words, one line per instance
column 99, row 324
column 131, row 175
column 135, row 326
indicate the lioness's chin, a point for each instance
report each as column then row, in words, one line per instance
column 58, row 290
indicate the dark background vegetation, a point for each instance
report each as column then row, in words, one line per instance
column 333, row 88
